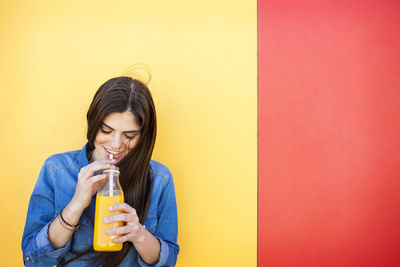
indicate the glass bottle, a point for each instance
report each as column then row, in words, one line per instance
column 110, row 194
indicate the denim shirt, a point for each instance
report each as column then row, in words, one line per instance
column 55, row 188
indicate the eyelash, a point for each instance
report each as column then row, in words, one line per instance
column 108, row 132
column 105, row 132
column 130, row 137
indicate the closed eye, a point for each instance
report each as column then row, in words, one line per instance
column 130, row 137
column 104, row 131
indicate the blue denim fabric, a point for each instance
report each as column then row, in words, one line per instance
column 55, row 188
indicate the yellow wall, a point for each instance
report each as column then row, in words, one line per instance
column 203, row 59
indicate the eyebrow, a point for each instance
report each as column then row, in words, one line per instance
column 133, row 131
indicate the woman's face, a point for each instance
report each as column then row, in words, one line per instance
column 117, row 136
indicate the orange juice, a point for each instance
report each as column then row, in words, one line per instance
column 102, row 241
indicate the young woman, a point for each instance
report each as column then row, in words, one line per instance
column 59, row 224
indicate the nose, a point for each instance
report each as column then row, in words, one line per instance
column 116, row 142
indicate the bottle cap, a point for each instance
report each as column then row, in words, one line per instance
column 113, row 168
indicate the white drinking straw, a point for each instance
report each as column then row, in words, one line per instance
column 110, row 181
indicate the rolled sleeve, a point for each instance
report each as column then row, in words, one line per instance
column 43, row 253
column 43, row 243
column 164, row 254
column 166, row 229
column 36, row 247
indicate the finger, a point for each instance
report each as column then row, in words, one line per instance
column 89, row 172
column 124, row 238
column 124, row 217
column 98, row 165
column 104, row 161
column 123, row 230
column 122, row 206
column 97, row 178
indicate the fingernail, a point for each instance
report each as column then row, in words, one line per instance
column 110, row 208
column 105, row 220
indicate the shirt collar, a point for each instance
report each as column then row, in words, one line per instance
column 83, row 160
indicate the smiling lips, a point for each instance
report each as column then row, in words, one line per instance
column 115, row 154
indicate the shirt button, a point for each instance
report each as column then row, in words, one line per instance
column 27, row 258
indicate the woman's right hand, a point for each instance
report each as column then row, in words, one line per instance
column 88, row 184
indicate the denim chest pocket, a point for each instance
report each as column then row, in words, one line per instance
column 151, row 223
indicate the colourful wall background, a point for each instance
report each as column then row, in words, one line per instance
column 203, row 60
column 328, row 118
column 329, row 127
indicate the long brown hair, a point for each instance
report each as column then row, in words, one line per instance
column 119, row 95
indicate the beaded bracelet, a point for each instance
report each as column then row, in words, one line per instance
column 67, row 225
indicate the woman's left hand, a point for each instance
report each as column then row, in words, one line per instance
column 133, row 231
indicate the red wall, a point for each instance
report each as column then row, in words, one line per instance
column 329, row 133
